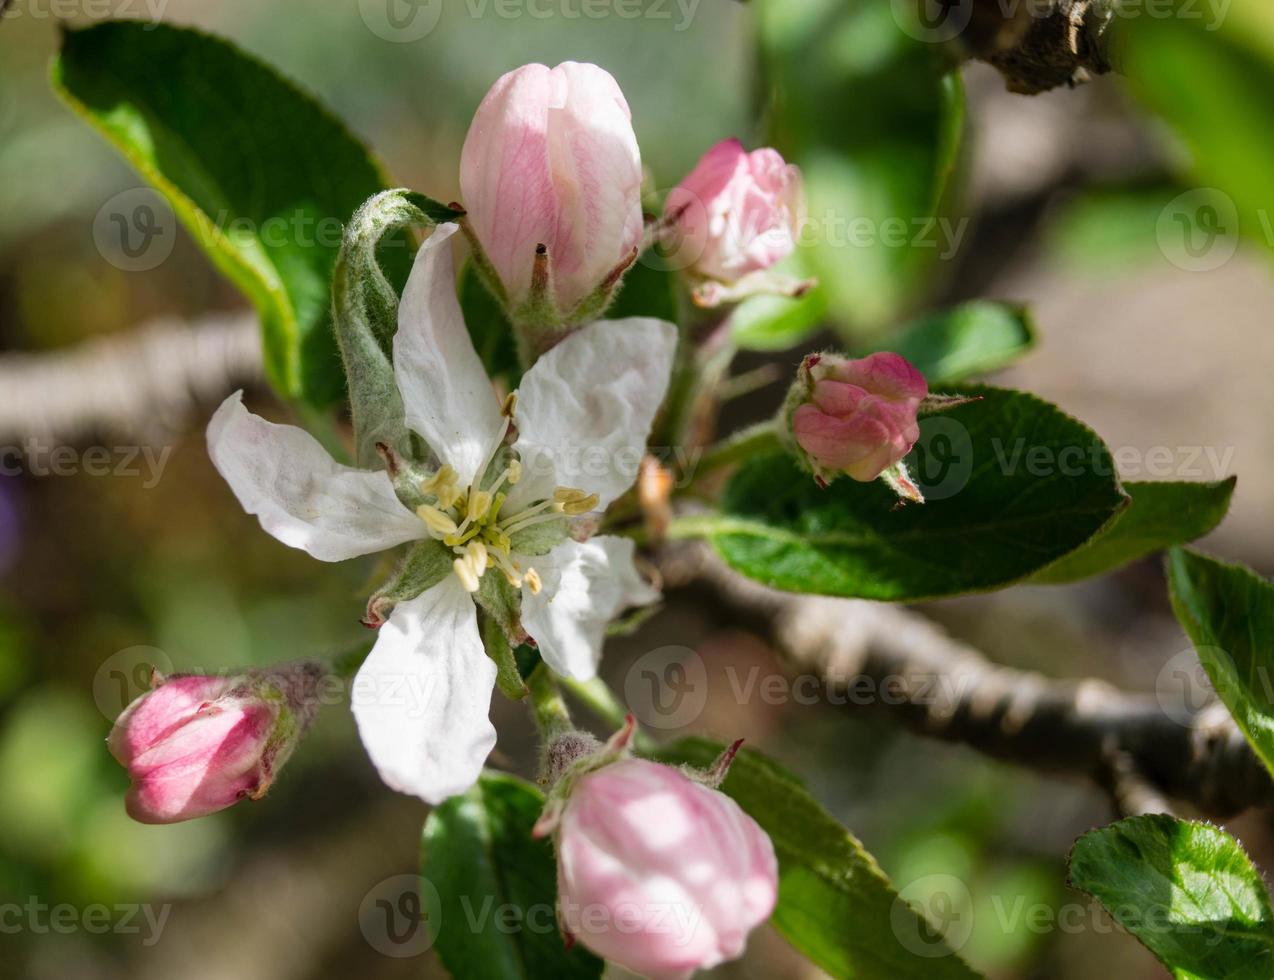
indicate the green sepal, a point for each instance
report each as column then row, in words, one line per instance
column 538, row 539
column 503, row 603
column 427, row 564
column 507, row 677
column 365, row 314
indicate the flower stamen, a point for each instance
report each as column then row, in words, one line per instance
column 574, row 501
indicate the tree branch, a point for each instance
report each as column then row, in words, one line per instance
column 146, row 383
column 941, row 688
column 1038, row 45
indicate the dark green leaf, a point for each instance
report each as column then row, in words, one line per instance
column 1158, row 516
column 648, row 289
column 835, row 904
column 260, row 174
column 1012, row 484
column 953, row 345
column 1228, row 613
column 1186, row 890
column 489, row 328
column 497, row 887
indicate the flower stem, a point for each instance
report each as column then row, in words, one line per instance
column 547, row 704
column 759, row 438
column 600, row 701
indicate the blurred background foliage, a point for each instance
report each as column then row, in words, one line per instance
column 1061, row 200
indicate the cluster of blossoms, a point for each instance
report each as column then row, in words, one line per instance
column 499, row 518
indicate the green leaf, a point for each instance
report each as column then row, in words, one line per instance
column 648, row 289
column 875, row 120
column 1228, row 613
column 489, row 328
column 1159, row 515
column 835, row 904
column 497, row 887
column 260, row 174
column 953, row 345
column 1012, row 484
column 1208, row 77
column 1186, row 891
column 772, row 323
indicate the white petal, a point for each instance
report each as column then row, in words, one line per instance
column 422, row 699
column 585, row 408
column 585, row 586
column 445, row 389
column 300, row 494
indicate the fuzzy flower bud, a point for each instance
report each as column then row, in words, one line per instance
column 855, row 416
column 658, row 872
column 195, row 745
column 550, row 176
column 736, row 213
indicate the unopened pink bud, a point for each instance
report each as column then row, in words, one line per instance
column 736, row 213
column 551, row 160
column 856, row 416
column 195, row 745
column 659, row 873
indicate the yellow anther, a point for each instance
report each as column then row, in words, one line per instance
column 532, row 579
column 449, row 496
column 468, row 577
column 514, row 471
column 510, row 405
column 436, row 520
column 476, row 552
column 479, row 504
column 573, row 501
column 442, row 485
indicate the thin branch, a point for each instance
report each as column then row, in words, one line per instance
column 147, row 383
column 1038, row 45
column 942, row 688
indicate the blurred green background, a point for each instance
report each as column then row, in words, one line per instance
column 1063, row 197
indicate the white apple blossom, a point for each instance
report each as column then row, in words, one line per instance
column 506, row 481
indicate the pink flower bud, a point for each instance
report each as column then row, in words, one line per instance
column 856, row 416
column 195, row 745
column 736, row 213
column 551, row 159
column 659, row 873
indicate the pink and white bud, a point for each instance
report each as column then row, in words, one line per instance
column 551, row 160
column 659, row 873
column 736, row 213
column 195, row 745
column 857, row 417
